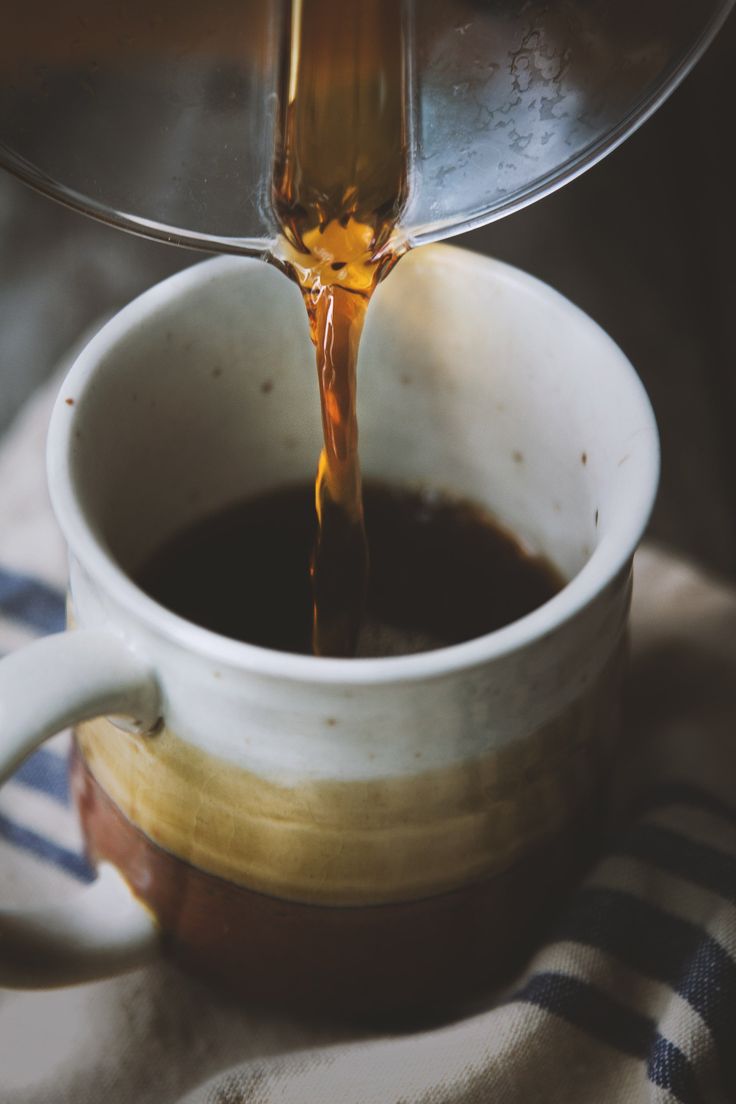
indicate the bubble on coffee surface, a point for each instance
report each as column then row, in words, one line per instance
column 378, row 640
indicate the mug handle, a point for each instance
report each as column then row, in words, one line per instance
column 45, row 687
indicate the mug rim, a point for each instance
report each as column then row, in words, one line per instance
column 611, row 555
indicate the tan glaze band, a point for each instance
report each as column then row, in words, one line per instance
column 357, row 842
column 416, row 959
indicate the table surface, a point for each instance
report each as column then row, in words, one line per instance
column 643, row 243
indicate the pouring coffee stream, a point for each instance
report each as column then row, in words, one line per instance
column 340, row 183
column 164, row 123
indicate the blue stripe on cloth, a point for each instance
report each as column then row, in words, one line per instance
column 664, row 947
column 31, row 602
column 668, row 1068
column 688, row 859
column 47, row 773
column 598, row 1015
column 70, row 861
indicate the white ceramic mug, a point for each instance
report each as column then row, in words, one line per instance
column 311, row 826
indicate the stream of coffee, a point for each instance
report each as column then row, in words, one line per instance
column 340, row 183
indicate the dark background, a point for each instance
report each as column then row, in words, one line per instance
column 643, row 242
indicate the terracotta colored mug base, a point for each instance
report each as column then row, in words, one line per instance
column 420, row 959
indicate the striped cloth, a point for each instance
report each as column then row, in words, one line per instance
column 632, row 998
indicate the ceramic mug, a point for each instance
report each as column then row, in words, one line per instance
column 359, row 833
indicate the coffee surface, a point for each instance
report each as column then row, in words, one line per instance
column 441, row 572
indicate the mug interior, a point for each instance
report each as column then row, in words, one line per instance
column 474, row 379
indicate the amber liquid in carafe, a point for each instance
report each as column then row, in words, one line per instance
column 340, row 183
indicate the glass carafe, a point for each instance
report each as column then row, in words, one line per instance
column 158, row 116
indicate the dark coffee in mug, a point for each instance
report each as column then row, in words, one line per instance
column 442, row 571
